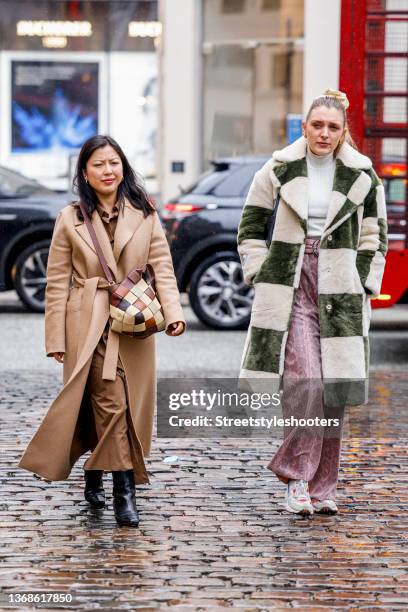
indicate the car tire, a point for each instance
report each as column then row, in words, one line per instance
column 218, row 294
column 29, row 273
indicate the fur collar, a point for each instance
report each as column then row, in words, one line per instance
column 350, row 187
column 297, row 150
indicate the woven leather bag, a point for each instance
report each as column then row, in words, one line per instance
column 134, row 307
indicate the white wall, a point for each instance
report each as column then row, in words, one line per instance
column 321, row 49
column 133, row 110
column 180, row 132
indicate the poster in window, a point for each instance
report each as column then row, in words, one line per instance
column 54, row 105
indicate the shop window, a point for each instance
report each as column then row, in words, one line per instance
column 271, row 5
column 252, row 19
column 231, row 134
column 233, row 6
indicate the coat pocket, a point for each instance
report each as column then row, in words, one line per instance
column 272, row 306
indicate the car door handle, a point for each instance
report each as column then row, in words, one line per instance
column 7, row 217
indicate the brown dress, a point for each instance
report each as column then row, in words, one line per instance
column 109, row 398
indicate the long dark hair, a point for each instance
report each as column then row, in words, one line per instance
column 130, row 187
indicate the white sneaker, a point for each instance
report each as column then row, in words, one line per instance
column 298, row 498
column 327, row 506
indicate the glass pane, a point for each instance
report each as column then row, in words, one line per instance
column 388, row 155
column 277, row 93
column 228, row 101
column 396, row 36
column 387, row 5
column 234, row 185
column 207, row 182
column 13, row 184
column 252, row 19
column 396, row 74
column 395, row 110
column 248, row 95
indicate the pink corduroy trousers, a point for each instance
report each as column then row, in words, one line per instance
column 308, row 453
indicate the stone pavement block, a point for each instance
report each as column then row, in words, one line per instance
column 213, row 534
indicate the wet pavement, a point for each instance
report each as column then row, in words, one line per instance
column 213, row 534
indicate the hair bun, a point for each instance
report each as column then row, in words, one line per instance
column 338, row 95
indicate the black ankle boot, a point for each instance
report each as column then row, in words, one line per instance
column 94, row 492
column 124, row 501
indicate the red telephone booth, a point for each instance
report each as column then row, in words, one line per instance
column 374, row 73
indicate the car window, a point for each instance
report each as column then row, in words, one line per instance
column 237, row 181
column 207, row 182
column 13, row 184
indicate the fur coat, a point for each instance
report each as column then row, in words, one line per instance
column 350, row 267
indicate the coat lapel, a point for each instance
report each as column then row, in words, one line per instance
column 350, row 186
column 289, row 173
column 129, row 221
column 294, row 185
column 102, row 236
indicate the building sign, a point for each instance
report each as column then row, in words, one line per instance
column 54, row 105
column 54, row 28
column 54, row 34
column 152, row 29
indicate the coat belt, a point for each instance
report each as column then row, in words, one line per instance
column 90, row 287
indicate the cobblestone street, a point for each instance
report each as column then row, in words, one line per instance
column 212, row 532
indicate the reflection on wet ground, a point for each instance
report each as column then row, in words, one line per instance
column 212, row 532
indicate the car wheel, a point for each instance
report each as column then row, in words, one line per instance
column 30, row 275
column 218, row 295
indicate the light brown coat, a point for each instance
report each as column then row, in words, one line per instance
column 77, row 309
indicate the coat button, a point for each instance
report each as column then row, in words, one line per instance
column 330, row 238
column 328, row 307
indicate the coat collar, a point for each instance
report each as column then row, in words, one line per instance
column 350, row 186
column 347, row 154
column 128, row 222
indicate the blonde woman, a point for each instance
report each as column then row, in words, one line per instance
column 311, row 313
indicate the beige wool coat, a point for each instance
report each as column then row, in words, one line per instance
column 77, row 309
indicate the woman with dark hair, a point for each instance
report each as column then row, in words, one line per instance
column 313, row 285
column 108, row 398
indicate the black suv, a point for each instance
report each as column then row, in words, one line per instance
column 27, row 215
column 201, row 226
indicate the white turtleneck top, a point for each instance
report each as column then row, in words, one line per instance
column 320, row 170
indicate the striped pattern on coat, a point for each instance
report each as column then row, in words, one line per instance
column 350, row 268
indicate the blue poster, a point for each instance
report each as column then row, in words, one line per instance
column 293, row 127
column 54, row 105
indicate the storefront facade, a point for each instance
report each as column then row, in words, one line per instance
column 70, row 69
column 238, row 79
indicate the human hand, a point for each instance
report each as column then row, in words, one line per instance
column 58, row 357
column 175, row 329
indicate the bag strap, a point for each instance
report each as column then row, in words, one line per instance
column 99, row 252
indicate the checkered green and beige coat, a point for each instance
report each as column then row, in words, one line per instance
column 350, row 267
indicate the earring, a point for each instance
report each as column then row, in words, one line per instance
column 86, row 180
